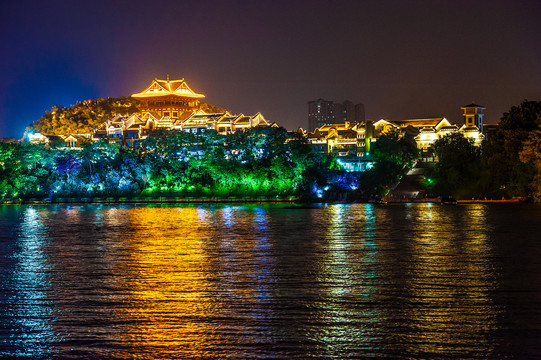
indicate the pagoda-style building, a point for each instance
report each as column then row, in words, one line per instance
column 473, row 115
column 168, row 98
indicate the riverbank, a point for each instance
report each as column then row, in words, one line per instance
column 149, row 200
column 232, row 200
column 513, row 200
column 466, row 201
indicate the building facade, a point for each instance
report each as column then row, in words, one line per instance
column 473, row 116
column 168, row 98
column 348, row 142
column 171, row 105
column 351, row 143
column 323, row 112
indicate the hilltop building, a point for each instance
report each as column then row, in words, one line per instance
column 129, row 130
column 426, row 131
column 169, row 105
column 168, row 98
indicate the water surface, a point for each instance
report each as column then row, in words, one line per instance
column 408, row 281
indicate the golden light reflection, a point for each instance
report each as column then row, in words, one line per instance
column 170, row 301
column 450, row 308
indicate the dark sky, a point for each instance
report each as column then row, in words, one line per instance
column 402, row 59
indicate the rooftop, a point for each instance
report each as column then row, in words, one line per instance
column 166, row 88
column 473, row 105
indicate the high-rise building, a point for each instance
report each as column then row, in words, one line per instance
column 323, row 112
column 320, row 112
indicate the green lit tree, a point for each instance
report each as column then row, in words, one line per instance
column 392, row 156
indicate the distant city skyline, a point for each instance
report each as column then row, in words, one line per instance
column 401, row 59
column 324, row 112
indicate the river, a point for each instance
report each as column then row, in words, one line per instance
column 407, row 281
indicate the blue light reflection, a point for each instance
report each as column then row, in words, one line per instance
column 28, row 308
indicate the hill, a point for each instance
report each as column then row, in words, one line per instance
column 84, row 116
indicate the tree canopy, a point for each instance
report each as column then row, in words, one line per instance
column 264, row 162
column 392, row 156
column 457, row 170
column 507, row 175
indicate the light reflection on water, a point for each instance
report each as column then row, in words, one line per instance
column 350, row 280
column 169, row 288
column 342, row 281
column 31, row 310
column 450, row 281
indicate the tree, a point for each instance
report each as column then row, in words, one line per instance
column 392, row 155
column 393, row 148
column 531, row 154
column 501, row 151
column 83, row 116
column 457, row 170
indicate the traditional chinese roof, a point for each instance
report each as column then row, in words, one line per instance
column 420, row 122
column 469, row 128
column 118, row 119
column 473, row 105
column 428, row 129
column 341, row 134
column 75, row 137
column 185, row 115
column 339, row 127
column 242, row 120
column 449, row 128
column 383, row 122
column 206, row 117
column 202, row 119
column 150, row 115
column 259, row 120
column 228, row 119
column 134, row 118
column 159, row 88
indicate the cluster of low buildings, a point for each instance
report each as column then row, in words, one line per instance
column 351, row 142
column 171, row 105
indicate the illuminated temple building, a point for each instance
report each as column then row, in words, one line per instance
column 168, row 98
column 169, row 105
column 173, row 106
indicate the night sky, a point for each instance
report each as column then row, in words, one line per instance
column 402, row 59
